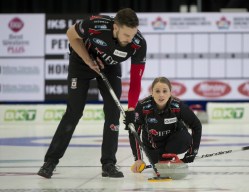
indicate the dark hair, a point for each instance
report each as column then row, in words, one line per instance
column 126, row 17
column 161, row 80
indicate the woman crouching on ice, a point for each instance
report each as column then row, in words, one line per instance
column 163, row 120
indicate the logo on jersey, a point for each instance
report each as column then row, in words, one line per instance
column 100, row 27
column 153, row 132
column 136, row 40
column 159, row 133
column 152, row 120
column 99, row 41
column 74, row 83
column 148, row 106
column 107, row 58
column 170, row 120
column 135, row 46
column 99, row 51
column 100, row 21
column 174, row 104
column 114, row 127
column 95, row 17
column 93, row 31
column 120, row 53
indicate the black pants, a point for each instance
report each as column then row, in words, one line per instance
column 179, row 142
column 78, row 84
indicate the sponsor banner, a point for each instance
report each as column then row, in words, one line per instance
column 199, row 89
column 16, row 114
column 57, row 44
column 58, row 24
column 57, row 90
column 22, row 35
column 22, row 79
column 228, row 112
column 194, row 22
column 56, row 28
column 56, row 69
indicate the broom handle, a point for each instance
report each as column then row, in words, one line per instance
column 222, row 152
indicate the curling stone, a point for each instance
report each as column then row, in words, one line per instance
column 174, row 168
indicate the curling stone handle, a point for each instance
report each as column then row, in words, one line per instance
column 170, row 155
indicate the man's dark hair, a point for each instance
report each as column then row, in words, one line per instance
column 126, row 17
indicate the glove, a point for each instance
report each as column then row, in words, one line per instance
column 138, row 166
column 190, row 156
column 129, row 118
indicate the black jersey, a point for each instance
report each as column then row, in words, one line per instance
column 157, row 126
column 97, row 34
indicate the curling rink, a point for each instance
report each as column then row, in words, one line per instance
column 22, row 149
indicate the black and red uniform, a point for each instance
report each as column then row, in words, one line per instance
column 97, row 35
column 165, row 131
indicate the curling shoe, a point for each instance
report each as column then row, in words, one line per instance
column 110, row 170
column 47, row 169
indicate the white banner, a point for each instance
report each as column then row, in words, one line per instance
column 228, row 112
column 56, row 44
column 21, row 79
column 56, row 69
column 22, row 35
column 191, row 22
